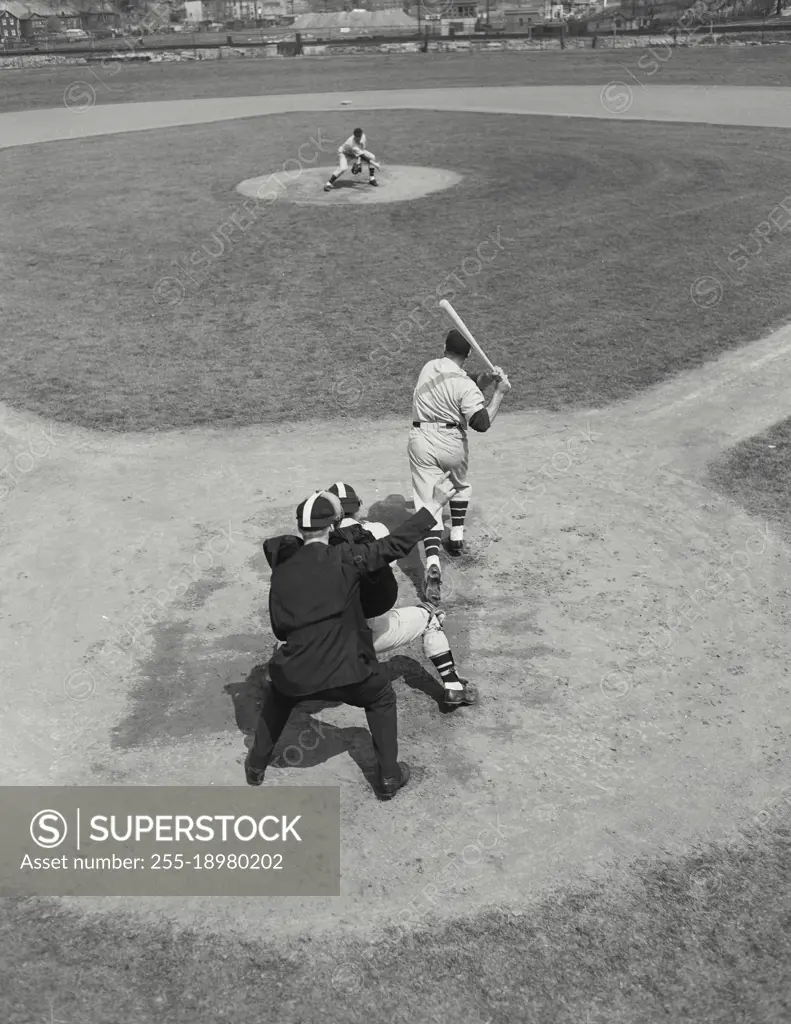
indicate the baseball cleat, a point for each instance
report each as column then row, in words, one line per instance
column 454, row 547
column 432, row 585
column 386, row 789
column 456, row 698
column 373, row 181
column 328, row 188
column 254, row 776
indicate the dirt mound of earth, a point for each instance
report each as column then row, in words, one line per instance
column 305, row 186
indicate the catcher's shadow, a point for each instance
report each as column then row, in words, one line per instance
column 402, row 667
column 393, row 511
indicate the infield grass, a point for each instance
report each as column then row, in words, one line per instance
column 590, row 302
column 757, row 474
column 603, row 228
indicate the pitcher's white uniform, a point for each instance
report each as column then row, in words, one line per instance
column 349, row 151
column 354, row 150
column 444, row 399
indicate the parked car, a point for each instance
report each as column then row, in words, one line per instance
column 77, row 34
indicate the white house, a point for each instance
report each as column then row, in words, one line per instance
column 193, row 12
column 254, row 10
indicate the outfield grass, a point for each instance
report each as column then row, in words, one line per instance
column 603, row 228
column 701, row 938
column 44, row 87
column 757, row 474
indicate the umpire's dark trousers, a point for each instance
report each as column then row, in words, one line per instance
column 375, row 694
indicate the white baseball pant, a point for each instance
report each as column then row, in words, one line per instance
column 434, row 450
column 346, row 158
column 401, row 626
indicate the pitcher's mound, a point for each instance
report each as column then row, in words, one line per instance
column 305, row 186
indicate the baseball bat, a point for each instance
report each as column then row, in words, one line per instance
column 461, row 326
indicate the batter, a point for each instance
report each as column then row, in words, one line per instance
column 446, row 401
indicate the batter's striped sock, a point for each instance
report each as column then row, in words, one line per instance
column 431, row 545
column 445, row 665
column 458, row 513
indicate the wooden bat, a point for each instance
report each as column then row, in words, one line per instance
column 461, row 326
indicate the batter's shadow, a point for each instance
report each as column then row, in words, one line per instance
column 393, row 511
column 306, row 741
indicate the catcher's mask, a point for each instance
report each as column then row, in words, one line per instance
column 348, row 497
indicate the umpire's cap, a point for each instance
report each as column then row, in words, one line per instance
column 319, row 511
column 457, row 344
column 348, row 497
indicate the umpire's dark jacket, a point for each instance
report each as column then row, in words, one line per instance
column 314, row 606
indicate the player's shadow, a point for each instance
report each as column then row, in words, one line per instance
column 416, row 678
column 306, row 741
column 247, row 698
column 393, row 511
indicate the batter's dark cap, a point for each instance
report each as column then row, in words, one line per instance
column 319, row 511
column 457, row 344
column 348, row 497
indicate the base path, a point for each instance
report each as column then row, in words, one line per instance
column 626, row 624
column 725, row 105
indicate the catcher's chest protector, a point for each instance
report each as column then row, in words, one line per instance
column 378, row 590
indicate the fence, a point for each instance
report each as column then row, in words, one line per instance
column 547, row 37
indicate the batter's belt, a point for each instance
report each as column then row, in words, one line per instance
column 431, row 423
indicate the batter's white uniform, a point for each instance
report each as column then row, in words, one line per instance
column 402, row 626
column 444, row 399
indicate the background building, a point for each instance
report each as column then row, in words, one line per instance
column 11, row 14
column 336, row 24
column 521, row 19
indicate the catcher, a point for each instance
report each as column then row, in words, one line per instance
column 354, row 149
column 393, row 627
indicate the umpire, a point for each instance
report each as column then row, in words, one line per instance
column 327, row 651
